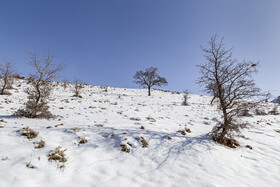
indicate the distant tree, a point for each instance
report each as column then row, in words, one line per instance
column 45, row 70
column 185, row 98
column 6, row 75
column 77, row 87
column 230, row 82
column 149, row 78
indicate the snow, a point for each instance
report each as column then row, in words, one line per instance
column 108, row 119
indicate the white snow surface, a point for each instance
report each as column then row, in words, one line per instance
column 108, row 119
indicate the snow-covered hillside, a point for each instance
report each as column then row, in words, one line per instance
column 124, row 117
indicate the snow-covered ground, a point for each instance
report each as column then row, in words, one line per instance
column 109, row 119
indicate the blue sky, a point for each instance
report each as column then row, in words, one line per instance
column 104, row 42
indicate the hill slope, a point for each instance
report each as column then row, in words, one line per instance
column 108, row 119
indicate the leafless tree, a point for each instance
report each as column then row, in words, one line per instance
column 77, row 87
column 46, row 70
column 149, row 78
column 231, row 84
column 6, row 74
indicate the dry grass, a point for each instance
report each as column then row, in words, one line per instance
column 185, row 131
column 29, row 133
column 57, row 155
column 40, row 145
column 124, row 148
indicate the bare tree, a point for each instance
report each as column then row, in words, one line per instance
column 65, row 83
column 46, row 70
column 77, row 88
column 6, row 74
column 230, row 82
column 149, row 78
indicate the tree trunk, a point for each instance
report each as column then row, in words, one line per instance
column 149, row 91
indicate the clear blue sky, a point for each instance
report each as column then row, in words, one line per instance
column 104, row 42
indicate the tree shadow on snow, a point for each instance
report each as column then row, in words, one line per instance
column 160, row 149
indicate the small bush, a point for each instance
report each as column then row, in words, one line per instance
column 29, row 133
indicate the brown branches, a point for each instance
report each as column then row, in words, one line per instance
column 149, row 78
column 230, row 82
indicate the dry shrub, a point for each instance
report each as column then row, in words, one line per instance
column 184, row 131
column 124, row 148
column 41, row 145
column 29, row 133
column 57, row 155
column 185, row 98
column 229, row 142
column 82, row 141
column 249, row 147
column 224, row 134
column 144, row 143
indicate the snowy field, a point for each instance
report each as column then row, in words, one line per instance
column 123, row 117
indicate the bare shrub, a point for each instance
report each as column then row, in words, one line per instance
column 144, row 142
column 230, row 82
column 41, row 145
column 149, row 78
column 77, row 87
column 124, row 148
column 185, row 98
column 29, row 133
column 82, row 141
column 6, row 75
column 45, row 71
column 57, row 155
